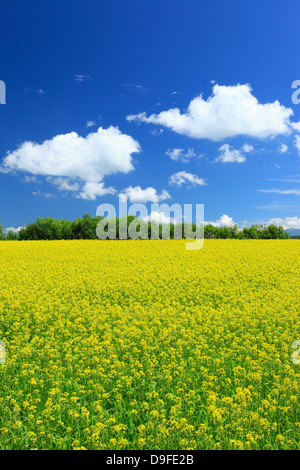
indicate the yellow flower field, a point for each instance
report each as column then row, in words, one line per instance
column 144, row 345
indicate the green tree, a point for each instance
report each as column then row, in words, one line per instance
column 12, row 236
column 210, row 231
column 2, row 237
column 84, row 228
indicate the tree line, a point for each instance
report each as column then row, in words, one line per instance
column 84, row 228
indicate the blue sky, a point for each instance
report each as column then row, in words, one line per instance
column 164, row 101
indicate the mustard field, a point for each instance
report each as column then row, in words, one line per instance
column 144, row 345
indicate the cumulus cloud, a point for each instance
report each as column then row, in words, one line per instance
column 91, row 190
column 90, row 124
column 160, row 217
column 224, row 221
column 287, row 223
column 64, row 184
column 283, row 148
column 156, row 132
column 30, row 179
column 229, row 112
column 43, row 194
column 247, row 148
column 180, row 155
column 296, row 126
column 182, row 177
column 142, row 196
column 89, row 158
column 74, row 163
column 13, row 229
column 229, row 154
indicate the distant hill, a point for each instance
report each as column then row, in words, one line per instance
column 294, row 232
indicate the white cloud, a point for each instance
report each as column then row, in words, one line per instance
column 42, row 194
column 180, row 155
column 297, row 143
column 229, row 112
column 156, row 132
column 229, row 154
column 89, row 158
column 79, row 78
column 142, row 196
column 91, row 190
column 4, row 170
column 287, row 179
column 247, row 148
column 90, row 124
column 182, row 177
column 30, row 179
column 160, row 218
column 295, row 192
column 296, row 126
column 134, row 87
column 283, row 148
column 73, row 163
column 12, row 229
column 63, row 184
column 275, row 206
column 40, row 91
column 224, row 221
column 287, row 223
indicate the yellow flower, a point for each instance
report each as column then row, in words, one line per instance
column 141, row 344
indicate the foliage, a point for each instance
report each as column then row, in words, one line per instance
column 1, row 232
column 12, row 236
column 254, row 232
column 84, row 228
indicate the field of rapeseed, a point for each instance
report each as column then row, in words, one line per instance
column 144, row 345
